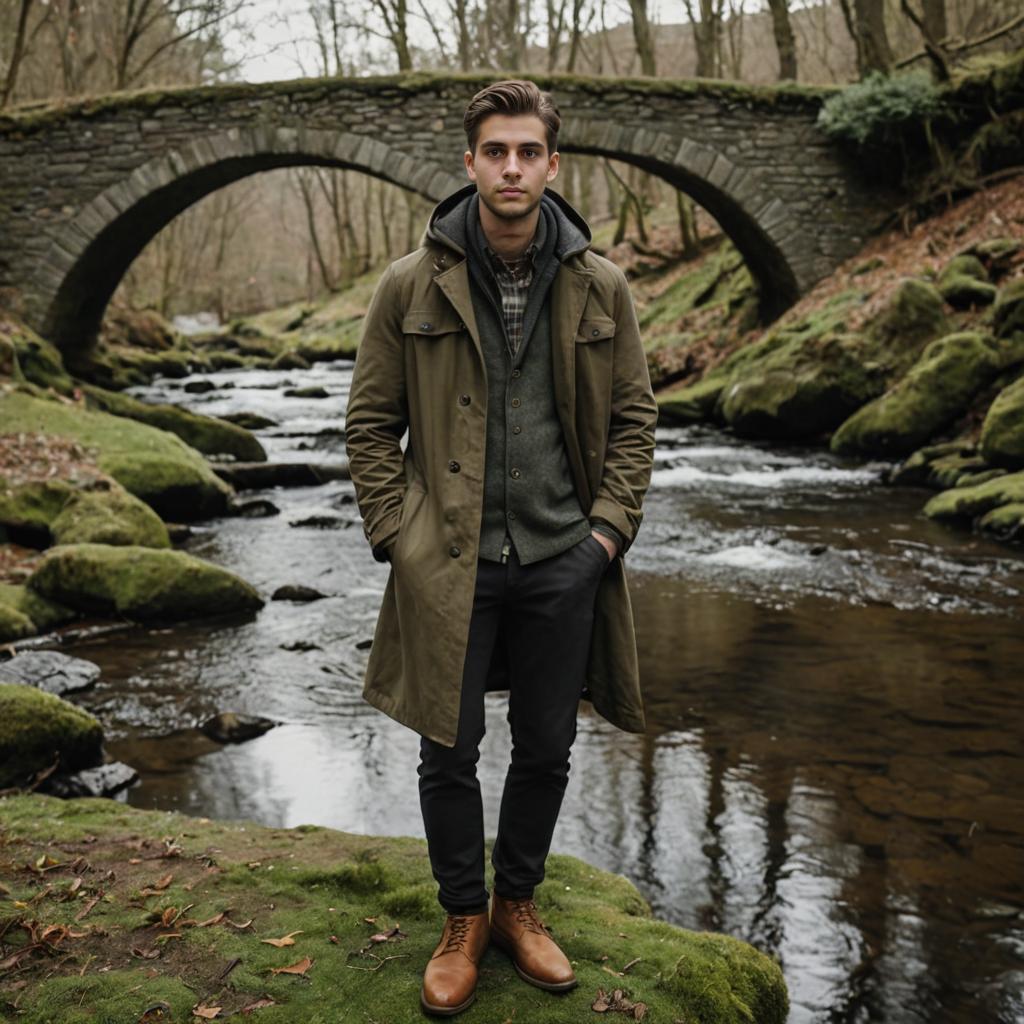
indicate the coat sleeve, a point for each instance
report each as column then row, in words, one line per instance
column 377, row 417
column 629, row 456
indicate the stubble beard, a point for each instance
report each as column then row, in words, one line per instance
column 504, row 212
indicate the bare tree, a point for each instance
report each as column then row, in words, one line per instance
column 19, row 49
column 642, row 36
column 707, row 36
column 785, row 43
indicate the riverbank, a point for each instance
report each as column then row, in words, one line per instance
column 112, row 912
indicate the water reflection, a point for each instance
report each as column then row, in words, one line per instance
column 833, row 768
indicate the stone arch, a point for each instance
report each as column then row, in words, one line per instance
column 763, row 229
column 90, row 254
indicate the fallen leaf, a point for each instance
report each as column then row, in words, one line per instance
column 151, row 954
column 300, row 967
column 206, row 1012
column 286, row 940
column 258, row 1005
column 162, row 883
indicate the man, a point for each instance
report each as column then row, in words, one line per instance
column 512, row 355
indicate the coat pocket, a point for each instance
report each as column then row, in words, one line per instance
column 595, row 328
column 431, row 323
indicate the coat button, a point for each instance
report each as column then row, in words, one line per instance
column 426, row 326
column 513, row 472
column 516, row 403
column 517, row 373
column 516, row 429
column 454, row 551
column 454, row 466
column 595, row 332
column 464, row 399
column 510, row 514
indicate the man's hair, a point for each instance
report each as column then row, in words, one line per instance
column 513, row 96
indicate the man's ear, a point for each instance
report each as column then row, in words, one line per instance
column 467, row 159
column 553, row 166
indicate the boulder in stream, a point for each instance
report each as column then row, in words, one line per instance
column 140, row 583
column 1002, row 433
column 235, row 727
column 37, row 728
column 970, row 502
column 296, row 592
column 103, row 781
column 50, row 671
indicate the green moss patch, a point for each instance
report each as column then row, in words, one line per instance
column 969, row 502
column 1002, row 433
column 187, row 923
column 43, row 614
column 937, row 390
column 141, row 583
column 152, row 464
column 36, row 726
column 108, row 515
column 14, row 623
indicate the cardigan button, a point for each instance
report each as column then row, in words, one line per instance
column 514, row 473
column 454, row 466
column 464, row 399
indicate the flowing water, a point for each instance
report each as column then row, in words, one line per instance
column 834, row 767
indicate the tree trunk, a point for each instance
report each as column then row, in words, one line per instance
column 642, row 37
column 785, row 44
column 16, row 53
column 873, row 50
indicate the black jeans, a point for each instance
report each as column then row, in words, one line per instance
column 544, row 613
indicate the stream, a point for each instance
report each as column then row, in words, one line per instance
column 834, row 766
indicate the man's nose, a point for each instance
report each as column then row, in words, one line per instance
column 512, row 165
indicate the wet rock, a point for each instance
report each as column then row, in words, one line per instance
column 200, row 387
column 916, row 470
column 207, row 434
column 259, row 508
column 320, row 522
column 313, row 391
column 258, row 475
column 36, row 728
column 179, row 532
column 969, row 502
column 935, row 392
column 1005, row 522
column 228, row 361
column 232, row 727
column 105, row 780
column 156, row 466
column 50, row 671
column 300, row 645
column 140, row 583
column 1008, row 315
column 949, row 470
column 107, row 514
column 1002, row 433
column 289, row 360
column 249, row 420
column 296, row 592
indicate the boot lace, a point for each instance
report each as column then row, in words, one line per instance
column 525, row 912
column 457, row 933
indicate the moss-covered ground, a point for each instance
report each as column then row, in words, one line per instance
column 110, row 911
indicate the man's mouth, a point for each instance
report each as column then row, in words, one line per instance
column 512, row 192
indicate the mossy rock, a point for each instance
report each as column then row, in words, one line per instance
column 289, row 360
column 321, row 886
column 693, row 403
column 913, row 315
column 35, row 726
column 950, row 470
column 1002, row 433
column 937, row 390
column 1005, row 522
column 969, row 502
column 14, row 624
column 207, row 434
column 963, row 292
column 140, row 583
column 227, row 361
column 152, row 464
column 38, row 360
column 34, row 504
column 328, row 347
column 106, row 514
column 916, row 468
column 44, row 615
column 801, row 389
column 964, row 265
column 1008, row 314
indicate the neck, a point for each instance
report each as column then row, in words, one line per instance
column 509, row 238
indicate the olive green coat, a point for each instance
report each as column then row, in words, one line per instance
column 420, row 365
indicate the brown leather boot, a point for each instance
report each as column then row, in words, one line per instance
column 449, row 982
column 516, row 929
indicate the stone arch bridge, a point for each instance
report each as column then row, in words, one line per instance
column 85, row 185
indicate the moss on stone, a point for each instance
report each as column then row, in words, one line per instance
column 152, row 464
column 969, row 502
column 38, row 360
column 800, row 389
column 1008, row 313
column 1002, row 433
column 937, row 390
column 108, row 514
column 913, row 315
column 34, row 504
column 694, row 403
column 206, row 434
column 44, row 614
column 140, row 583
column 322, row 885
column 1005, row 522
column 35, row 726
column 14, row 624
column 963, row 292
column 964, row 265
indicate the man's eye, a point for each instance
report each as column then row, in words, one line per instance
column 494, row 151
column 529, row 152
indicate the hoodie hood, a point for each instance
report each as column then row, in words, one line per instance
column 448, row 224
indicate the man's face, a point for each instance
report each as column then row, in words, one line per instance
column 511, row 164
